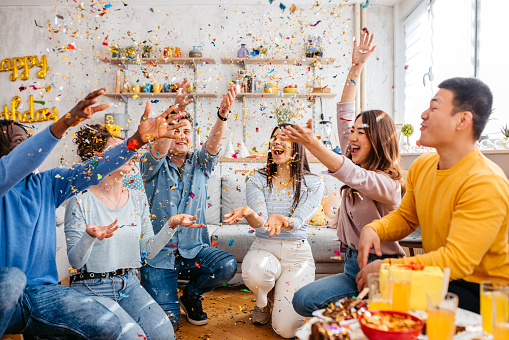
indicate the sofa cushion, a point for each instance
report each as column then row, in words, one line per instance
column 234, row 191
column 213, row 210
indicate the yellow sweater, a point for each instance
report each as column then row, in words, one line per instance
column 463, row 213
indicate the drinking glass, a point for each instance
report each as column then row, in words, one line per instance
column 379, row 293
column 500, row 314
column 441, row 314
column 401, row 289
column 487, row 290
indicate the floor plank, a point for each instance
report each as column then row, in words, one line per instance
column 229, row 310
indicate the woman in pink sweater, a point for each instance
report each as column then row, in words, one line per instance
column 371, row 172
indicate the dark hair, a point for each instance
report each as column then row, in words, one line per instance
column 298, row 167
column 471, row 94
column 189, row 118
column 91, row 138
column 5, row 135
column 384, row 155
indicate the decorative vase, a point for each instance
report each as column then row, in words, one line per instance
column 196, row 52
column 242, row 52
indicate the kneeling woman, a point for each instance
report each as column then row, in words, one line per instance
column 106, row 257
column 281, row 198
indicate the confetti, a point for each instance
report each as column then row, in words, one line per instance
column 230, row 243
column 213, row 243
column 191, row 194
column 42, row 102
column 319, row 21
column 283, row 7
column 197, row 264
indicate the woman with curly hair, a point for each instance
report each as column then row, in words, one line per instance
column 106, row 254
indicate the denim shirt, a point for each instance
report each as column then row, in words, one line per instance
column 171, row 191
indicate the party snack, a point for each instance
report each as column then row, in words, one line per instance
column 323, row 330
column 389, row 322
column 345, row 309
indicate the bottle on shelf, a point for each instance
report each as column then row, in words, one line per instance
column 242, row 52
column 125, row 87
column 117, row 81
column 177, row 52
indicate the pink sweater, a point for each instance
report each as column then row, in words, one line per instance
column 377, row 195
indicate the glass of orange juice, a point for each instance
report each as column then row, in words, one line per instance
column 379, row 293
column 500, row 314
column 441, row 314
column 488, row 288
column 401, row 289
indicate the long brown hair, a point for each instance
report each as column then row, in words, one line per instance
column 299, row 167
column 91, row 138
column 384, row 155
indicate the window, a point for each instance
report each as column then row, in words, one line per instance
column 455, row 38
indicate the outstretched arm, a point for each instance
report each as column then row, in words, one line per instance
column 218, row 131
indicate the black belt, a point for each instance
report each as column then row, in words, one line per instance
column 87, row 275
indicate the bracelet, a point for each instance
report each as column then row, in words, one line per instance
column 221, row 117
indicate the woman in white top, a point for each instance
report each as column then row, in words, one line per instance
column 106, row 254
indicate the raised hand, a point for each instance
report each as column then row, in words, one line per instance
column 299, row 134
column 102, row 231
column 275, row 223
column 363, row 50
column 184, row 220
column 227, row 102
column 159, row 127
column 237, row 215
column 181, row 100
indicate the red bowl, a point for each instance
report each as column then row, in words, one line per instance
column 376, row 334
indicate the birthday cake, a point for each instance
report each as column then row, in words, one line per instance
column 424, row 279
column 345, row 309
column 323, row 330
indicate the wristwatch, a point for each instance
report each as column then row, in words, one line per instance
column 224, row 119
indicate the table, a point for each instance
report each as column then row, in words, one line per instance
column 472, row 322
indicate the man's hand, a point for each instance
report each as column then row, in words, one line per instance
column 227, row 102
column 181, row 100
column 82, row 111
column 362, row 276
column 299, row 134
column 368, row 239
column 102, row 231
column 275, row 223
column 237, row 215
column 184, row 220
column 361, row 52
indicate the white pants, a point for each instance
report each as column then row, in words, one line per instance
column 284, row 266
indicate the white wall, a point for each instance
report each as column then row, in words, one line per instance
column 74, row 73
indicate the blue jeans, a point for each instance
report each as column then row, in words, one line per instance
column 138, row 313
column 208, row 270
column 57, row 310
column 12, row 284
column 319, row 294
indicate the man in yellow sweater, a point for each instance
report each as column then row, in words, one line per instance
column 458, row 197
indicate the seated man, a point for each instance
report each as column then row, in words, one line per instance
column 176, row 183
column 28, row 225
column 458, row 197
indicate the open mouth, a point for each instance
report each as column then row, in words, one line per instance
column 355, row 150
column 278, row 152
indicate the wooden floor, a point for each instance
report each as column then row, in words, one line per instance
column 229, row 311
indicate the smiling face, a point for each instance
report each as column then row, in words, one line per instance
column 280, row 149
column 359, row 142
column 438, row 121
column 181, row 145
column 13, row 136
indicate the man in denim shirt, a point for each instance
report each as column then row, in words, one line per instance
column 176, row 183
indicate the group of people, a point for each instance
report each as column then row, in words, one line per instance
column 458, row 198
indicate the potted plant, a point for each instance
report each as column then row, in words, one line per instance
column 146, row 51
column 130, row 51
column 115, row 51
column 505, row 132
column 407, row 130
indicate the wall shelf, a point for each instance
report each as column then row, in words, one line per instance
column 277, row 61
column 176, row 61
column 157, row 95
column 285, row 95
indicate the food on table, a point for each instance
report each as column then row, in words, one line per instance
column 345, row 309
column 323, row 330
column 389, row 322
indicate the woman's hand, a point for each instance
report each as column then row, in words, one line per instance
column 300, row 134
column 102, row 231
column 237, row 215
column 275, row 223
column 361, row 52
column 184, row 220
